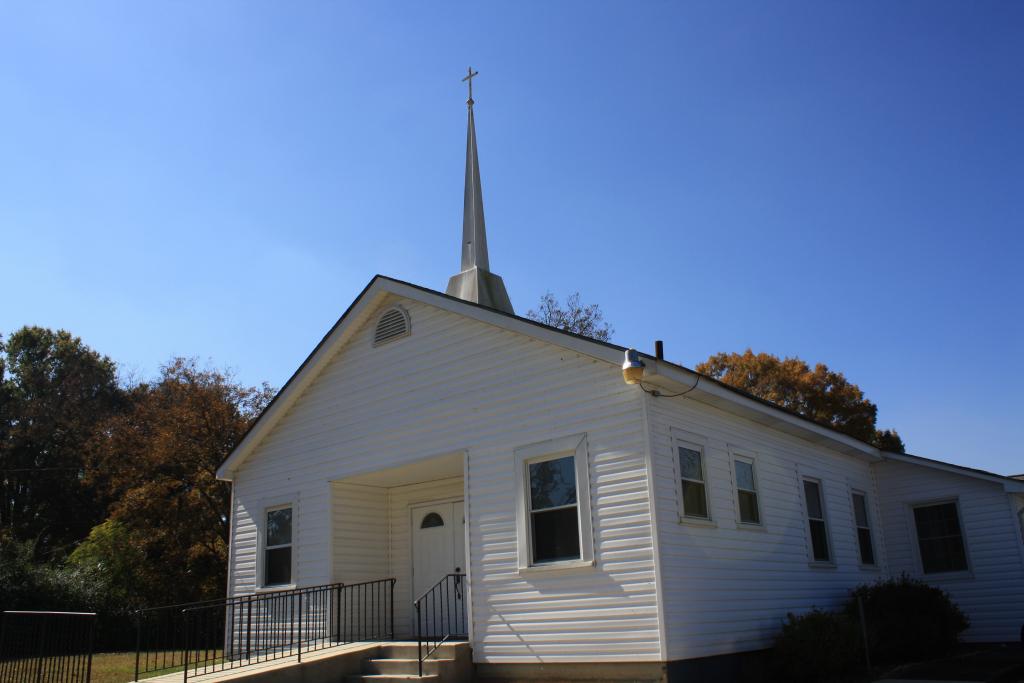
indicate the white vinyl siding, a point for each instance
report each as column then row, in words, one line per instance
column 726, row 586
column 462, row 385
column 359, row 533
column 992, row 591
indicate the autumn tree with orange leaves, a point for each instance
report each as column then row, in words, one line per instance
column 819, row 394
column 156, row 465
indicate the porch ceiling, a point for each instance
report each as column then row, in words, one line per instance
column 428, row 469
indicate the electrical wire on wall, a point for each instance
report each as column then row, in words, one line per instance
column 657, row 394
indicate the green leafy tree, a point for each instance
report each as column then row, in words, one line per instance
column 110, row 551
column 54, row 390
column 574, row 316
column 817, row 393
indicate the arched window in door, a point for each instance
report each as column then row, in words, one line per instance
column 430, row 520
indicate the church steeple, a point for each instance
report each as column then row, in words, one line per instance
column 476, row 282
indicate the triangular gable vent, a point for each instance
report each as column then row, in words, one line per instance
column 392, row 324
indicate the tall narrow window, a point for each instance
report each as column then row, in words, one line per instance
column 939, row 538
column 691, row 471
column 554, row 529
column 277, row 553
column 816, row 521
column 554, row 517
column 860, row 517
column 746, row 491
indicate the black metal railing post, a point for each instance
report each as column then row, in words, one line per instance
column 337, row 616
column 419, row 638
column 138, row 641
column 438, row 612
column 248, row 630
column 300, row 627
column 92, row 640
column 187, row 641
column 42, row 652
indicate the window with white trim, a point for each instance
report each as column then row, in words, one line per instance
column 863, row 523
column 277, row 548
column 940, row 540
column 554, row 525
column 816, row 524
column 693, row 481
column 747, row 504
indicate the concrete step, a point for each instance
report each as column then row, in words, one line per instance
column 411, row 651
column 404, row 666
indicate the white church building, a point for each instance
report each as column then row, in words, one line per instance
column 659, row 527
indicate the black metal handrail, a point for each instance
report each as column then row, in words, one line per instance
column 46, row 646
column 235, row 632
column 160, row 637
column 440, row 615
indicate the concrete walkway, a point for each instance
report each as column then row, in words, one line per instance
column 280, row 666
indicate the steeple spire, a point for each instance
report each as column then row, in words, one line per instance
column 476, row 283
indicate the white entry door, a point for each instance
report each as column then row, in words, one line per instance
column 439, row 549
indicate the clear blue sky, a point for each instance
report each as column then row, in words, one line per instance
column 838, row 181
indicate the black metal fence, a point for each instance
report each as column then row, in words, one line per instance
column 160, row 637
column 441, row 615
column 202, row 638
column 46, row 647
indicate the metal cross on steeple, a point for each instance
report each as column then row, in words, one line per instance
column 469, row 79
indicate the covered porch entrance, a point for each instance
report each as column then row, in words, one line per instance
column 407, row 522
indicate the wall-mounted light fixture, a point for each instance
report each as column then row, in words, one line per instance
column 633, row 367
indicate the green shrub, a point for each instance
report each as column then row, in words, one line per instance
column 907, row 620
column 817, row 646
column 27, row 583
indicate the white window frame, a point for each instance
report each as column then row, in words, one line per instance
column 968, row 572
column 740, row 455
column 553, row 449
column 261, row 544
column 857, row 527
column 814, row 562
column 697, row 443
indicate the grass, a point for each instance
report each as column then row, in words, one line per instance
column 113, row 667
column 119, row 667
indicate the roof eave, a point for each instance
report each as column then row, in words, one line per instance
column 1009, row 484
column 701, row 388
column 301, row 378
